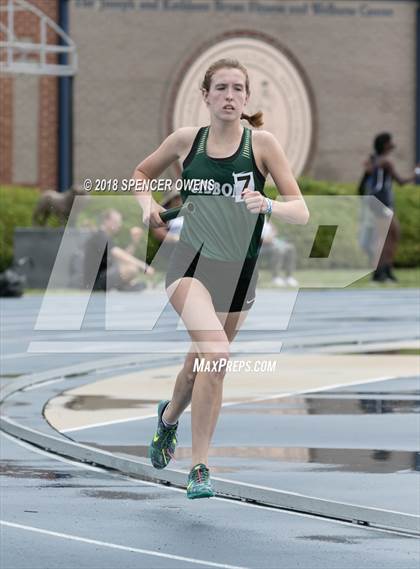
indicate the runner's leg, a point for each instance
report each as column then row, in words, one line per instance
column 182, row 394
column 193, row 302
column 393, row 239
column 183, row 389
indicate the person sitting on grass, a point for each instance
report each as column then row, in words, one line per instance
column 280, row 255
column 119, row 269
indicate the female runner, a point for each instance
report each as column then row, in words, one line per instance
column 211, row 278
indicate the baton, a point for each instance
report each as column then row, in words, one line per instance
column 176, row 211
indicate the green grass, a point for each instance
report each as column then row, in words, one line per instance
column 407, row 278
column 406, row 352
column 390, row 352
column 17, row 204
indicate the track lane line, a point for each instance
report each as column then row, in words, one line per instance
column 109, row 545
column 84, row 466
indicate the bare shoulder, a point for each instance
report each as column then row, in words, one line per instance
column 171, row 149
column 261, row 137
column 266, row 149
column 263, row 142
column 184, row 137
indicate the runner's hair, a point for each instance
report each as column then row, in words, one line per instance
column 255, row 120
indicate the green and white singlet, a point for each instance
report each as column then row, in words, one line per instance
column 221, row 225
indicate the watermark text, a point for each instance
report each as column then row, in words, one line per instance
column 229, row 366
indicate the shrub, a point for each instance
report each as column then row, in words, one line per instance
column 17, row 205
column 407, row 205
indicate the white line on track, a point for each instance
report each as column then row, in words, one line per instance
column 16, row 355
column 132, row 480
column 37, row 450
column 230, row 403
column 41, row 384
column 117, row 546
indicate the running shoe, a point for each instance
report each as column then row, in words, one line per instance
column 291, row 281
column 389, row 274
column 162, row 447
column 199, row 485
column 279, row 281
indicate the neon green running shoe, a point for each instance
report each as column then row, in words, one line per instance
column 199, row 485
column 162, row 447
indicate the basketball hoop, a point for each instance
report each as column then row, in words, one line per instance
column 20, row 56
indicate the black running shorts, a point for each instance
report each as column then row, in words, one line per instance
column 231, row 284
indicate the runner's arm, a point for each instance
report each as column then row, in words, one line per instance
column 399, row 179
column 171, row 149
column 293, row 209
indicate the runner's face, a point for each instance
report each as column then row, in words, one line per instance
column 227, row 96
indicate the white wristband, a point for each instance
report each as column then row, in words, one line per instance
column 269, row 206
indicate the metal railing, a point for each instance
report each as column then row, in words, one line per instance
column 17, row 56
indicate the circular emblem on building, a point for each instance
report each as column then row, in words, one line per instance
column 278, row 88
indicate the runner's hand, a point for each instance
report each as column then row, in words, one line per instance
column 254, row 201
column 149, row 270
column 151, row 217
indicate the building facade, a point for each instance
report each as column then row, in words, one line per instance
column 328, row 76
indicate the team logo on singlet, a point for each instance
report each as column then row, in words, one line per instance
column 241, row 181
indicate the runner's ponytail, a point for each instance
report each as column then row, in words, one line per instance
column 255, row 120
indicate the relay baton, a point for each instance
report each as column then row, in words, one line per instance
column 176, row 211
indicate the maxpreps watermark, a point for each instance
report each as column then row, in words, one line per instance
column 222, row 364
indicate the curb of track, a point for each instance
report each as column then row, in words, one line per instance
column 407, row 524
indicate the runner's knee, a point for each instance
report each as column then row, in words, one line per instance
column 217, row 360
column 189, row 366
